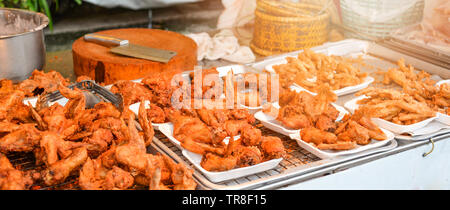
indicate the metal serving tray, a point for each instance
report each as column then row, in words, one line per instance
column 302, row 165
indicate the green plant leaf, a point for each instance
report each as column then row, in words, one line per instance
column 44, row 6
column 56, row 5
column 31, row 5
column 78, row 2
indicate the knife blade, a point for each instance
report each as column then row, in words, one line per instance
column 124, row 47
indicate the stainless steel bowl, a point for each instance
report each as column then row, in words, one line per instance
column 22, row 47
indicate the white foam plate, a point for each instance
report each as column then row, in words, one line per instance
column 395, row 128
column 328, row 154
column 273, row 124
column 352, row 104
column 426, row 133
column 233, row 173
column 167, row 130
column 443, row 118
column 340, row 92
column 135, row 109
column 237, row 69
column 442, row 82
column 195, row 159
column 251, row 110
column 32, row 101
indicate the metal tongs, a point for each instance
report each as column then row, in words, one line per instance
column 94, row 94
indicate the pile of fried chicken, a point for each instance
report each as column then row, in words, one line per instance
column 419, row 85
column 310, row 70
column 38, row 83
column 249, row 88
column 101, row 145
column 202, row 130
column 156, row 89
column 394, row 106
column 315, row 116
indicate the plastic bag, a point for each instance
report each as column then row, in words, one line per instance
column 384, row 10
column 434, row 30
column 236, row 13
column 436, row 17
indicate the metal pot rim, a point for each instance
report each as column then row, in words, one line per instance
column 43, row 18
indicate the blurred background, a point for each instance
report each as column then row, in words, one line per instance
column 267, row 27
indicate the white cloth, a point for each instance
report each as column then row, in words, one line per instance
column 223, row 45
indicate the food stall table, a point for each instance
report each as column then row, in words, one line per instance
column 404, row 167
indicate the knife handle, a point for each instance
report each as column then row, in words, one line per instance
column 105, row 40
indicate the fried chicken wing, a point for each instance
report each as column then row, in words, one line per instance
column 24, row 139
column 132, row 92
column 161, row 88
column 213, row 162
column 156, row 114
column 146, row 124
column 316, row 136
column 272, row 147
column 60, row 170
column 76, row 103
column 11, row 178
column 248, row 156
column 355, row 132
column 8, row 127
column 42, row 83
column 6, row 86
column 190, row 127
column 325, row 123
column 250, row 135
column 118, row 179
column 115, row 125
column 339, row 145
column 292, row 117
column 54, row 119
column 201, row 148
column 99, row 141
column 92, row 175
column 181, row 177
column 233, row 127
column 302, row 110
column 12, row 103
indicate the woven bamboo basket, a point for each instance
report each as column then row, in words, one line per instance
column 285, row 27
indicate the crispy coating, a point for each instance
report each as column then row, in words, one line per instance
column 213, row 162
column 272, row 147
column 302, row 110
column 310, row 70
column 394, row 106
column 132, row 92
column 11, row 178
column 60, row 170
column 42, row 83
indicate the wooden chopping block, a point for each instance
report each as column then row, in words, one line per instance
column 97, row 62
